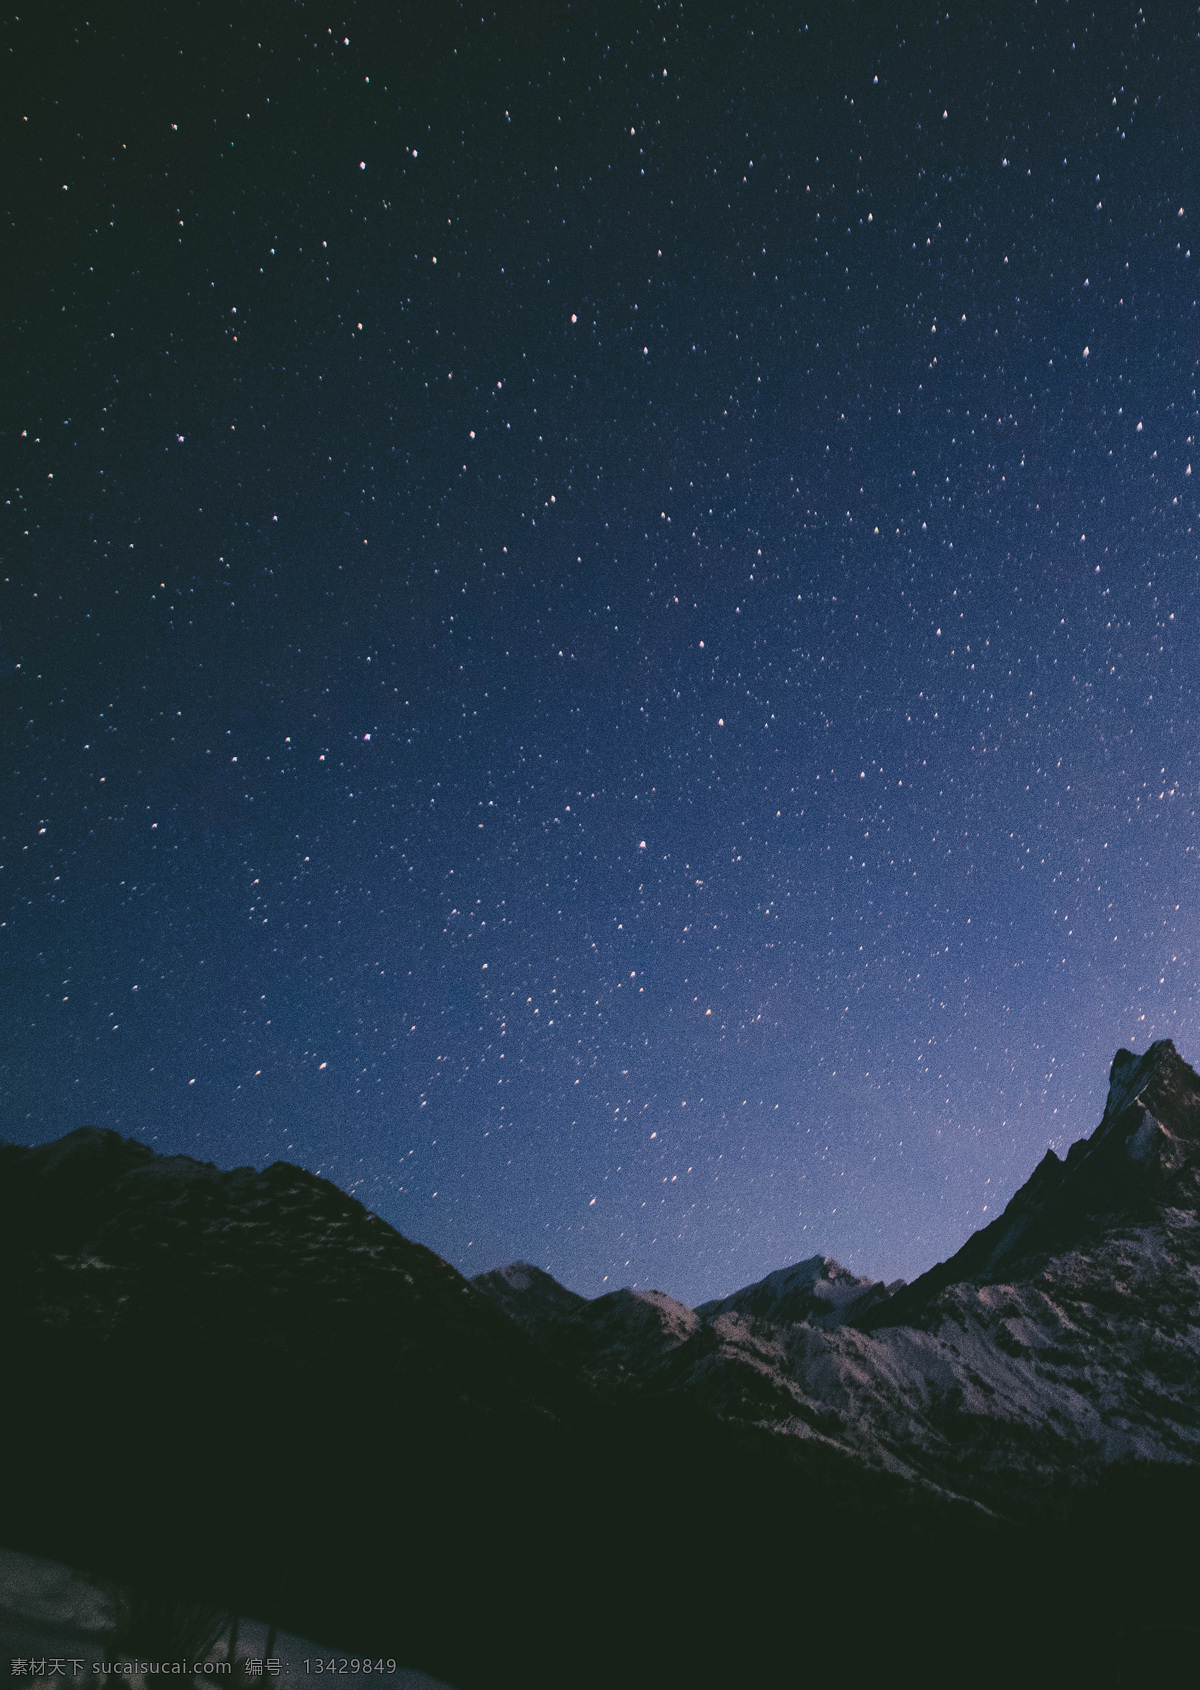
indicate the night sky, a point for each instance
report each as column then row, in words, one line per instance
column 599, row 608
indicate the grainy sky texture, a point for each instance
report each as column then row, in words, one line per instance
column 599, row 607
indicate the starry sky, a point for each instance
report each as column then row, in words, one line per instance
column 598, row 607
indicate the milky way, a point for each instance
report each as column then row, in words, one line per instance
column 599, row 610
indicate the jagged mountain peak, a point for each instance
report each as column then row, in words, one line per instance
column 1142, row 1158
column 622, row 1336
column 816, row 1289
column 1164, row 1090
column 523, row 1276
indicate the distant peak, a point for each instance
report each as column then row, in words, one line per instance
column 816, row 1289
column 527, row 1294
column 522, row 1276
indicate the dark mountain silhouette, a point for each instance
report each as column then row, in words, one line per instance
column 528, row 1295
column 245, row 1386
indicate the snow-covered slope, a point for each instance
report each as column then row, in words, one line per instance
column 818, row 1290
column 1141, row 1161
column 1061, row 1339
column 1003, row 1388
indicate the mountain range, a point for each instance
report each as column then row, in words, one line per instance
column 1060, row 1340
column 245, row 1384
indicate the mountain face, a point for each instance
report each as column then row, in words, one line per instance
column 241, row 1389
column 529, row 1295
column 111, row 1242
column 1141, row 1163
column 244, row 1384
column 241, row 1382
column 619, row 1337
column 1062, row 1339
column 818, row 1290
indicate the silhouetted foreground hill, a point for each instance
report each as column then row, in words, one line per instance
column 244, row 1385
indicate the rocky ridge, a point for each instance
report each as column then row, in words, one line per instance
column 246, row 1380
column 1061, row 1339
column 818, row 1290
column 109, row 1242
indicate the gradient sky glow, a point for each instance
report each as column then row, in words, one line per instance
column 598, row 609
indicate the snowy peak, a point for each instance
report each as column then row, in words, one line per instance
column 816, row 1290
column 1152, row 1111
column 1143, row 1157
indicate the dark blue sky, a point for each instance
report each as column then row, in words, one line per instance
column 599, row 609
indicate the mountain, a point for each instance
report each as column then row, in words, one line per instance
column 818, row 1290
column 1062, row 1340
column 112, row 1242
column 528, row 1295
column 242, row 1390
column 1141, row 1163
column 618, row 1340
column 243, row 1385
column 239, row 1381
column 1047, row 1374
